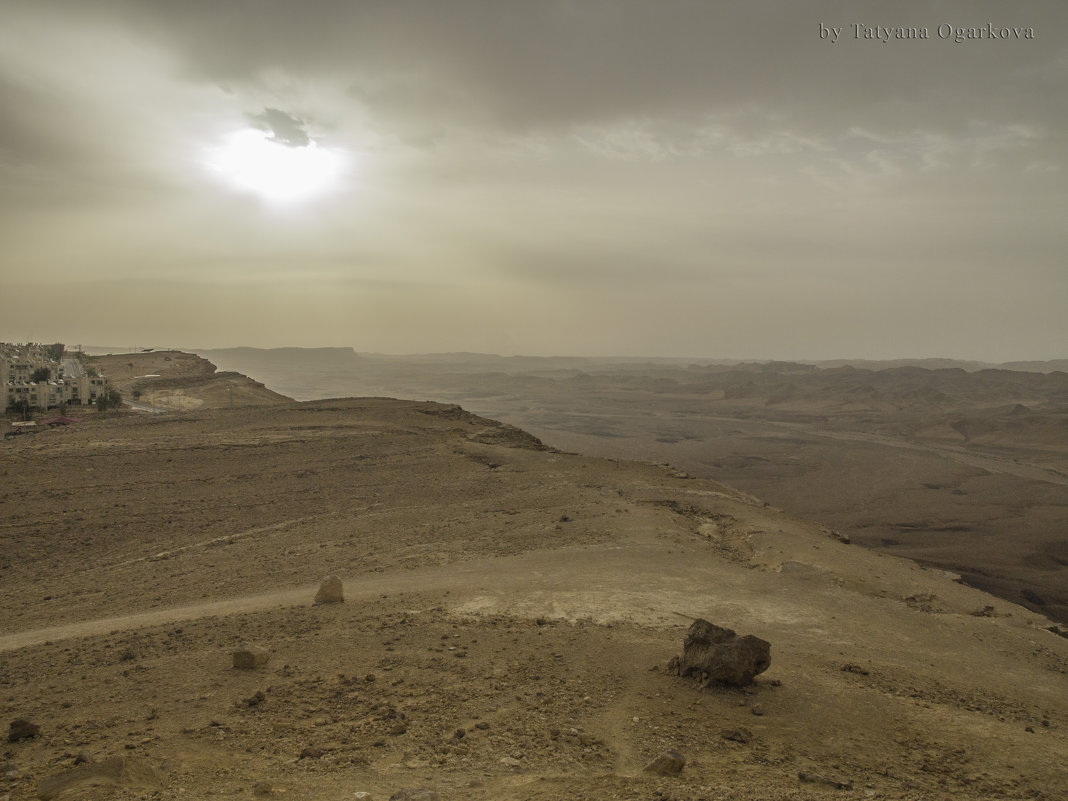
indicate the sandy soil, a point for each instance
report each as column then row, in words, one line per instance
column 510, row 611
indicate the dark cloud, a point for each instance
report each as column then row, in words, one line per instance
column 535, row 65
column 284, row 128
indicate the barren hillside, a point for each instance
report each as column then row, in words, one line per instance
column 173, row 381
column 965, row 471
column 510, row 614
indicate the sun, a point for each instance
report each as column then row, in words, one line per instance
column 250, row 160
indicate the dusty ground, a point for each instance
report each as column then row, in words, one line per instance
column 509, row 614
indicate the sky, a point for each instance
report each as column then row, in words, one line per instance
column 560, row 177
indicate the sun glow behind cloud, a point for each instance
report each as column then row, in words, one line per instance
column 253, row 161
column 388, row 153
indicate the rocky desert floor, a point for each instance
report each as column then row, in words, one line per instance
column 509, row 615
column 965, row 471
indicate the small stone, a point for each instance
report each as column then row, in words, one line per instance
column 510, row 762
column 330, row 591
column 459, row 734
column 416, row 794
column 814, row 778
column 21, row 729
column 482, row 725
column 669, row 763
column 851, row 668
column 739, row 735
column 250, row 657
column 757, row 710
column 262, row 788
column 82, row 758
column 398, row 730
column 311, row 752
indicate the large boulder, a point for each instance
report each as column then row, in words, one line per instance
column 719, row 655
column 331, row 591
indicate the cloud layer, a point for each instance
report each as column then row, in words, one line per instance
column 677, row 178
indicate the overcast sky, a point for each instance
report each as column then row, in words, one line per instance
column 539, row 177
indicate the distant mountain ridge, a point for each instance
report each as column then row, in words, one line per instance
column 1048, row 366
column 489, row 361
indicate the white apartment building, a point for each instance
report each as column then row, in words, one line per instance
column 18, row 363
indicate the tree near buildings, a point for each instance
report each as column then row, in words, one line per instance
column 22, row 408
column 41, row 374
column 110, row 398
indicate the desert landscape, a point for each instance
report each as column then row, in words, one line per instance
column 533, row 401
column 957, row 465
column 510, row 614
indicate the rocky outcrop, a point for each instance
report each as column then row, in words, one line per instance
column 717, row 655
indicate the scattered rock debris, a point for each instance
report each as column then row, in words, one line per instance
column 117, row 771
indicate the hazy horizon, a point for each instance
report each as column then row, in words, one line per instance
column 93, row 349
column 571, row 177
